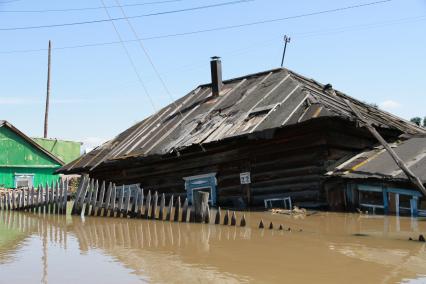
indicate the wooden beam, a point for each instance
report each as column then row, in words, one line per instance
column 411, row 176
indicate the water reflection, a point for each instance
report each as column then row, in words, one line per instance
column 182, row 252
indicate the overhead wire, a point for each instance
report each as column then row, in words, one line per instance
column 88, row 8
column 131, row 17
column 133, row 64
column 145, row 51
column 299, row 35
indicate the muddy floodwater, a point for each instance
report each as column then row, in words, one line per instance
column 322, row 248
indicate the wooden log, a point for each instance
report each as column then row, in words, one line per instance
column 51, row 198
column 19, row 201
column 31, row 203
column 127, row 206
column 95, row 198
column 39, row 198
column 218, row 216
column 79, row 193
column 177, row 210
column 65, row 200
column 201, row 199
column 243, row 221
column 120, row 201
column 8, row 200
column 137, row 202
column 83, row 197
column 148, row 205
column 233, row 219
column 271, row 226
column 185, row 211
column 107, row 200
column 169, row 209
column 226, row 218
column 261, row 225
column 162, row 205
column 141, row 200
column 57, row 196
column 113, row 202
column 207, row 217
column 90, row 192
column 13, row 203
column 100, row 203
column 154, row 207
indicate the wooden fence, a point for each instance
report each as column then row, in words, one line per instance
column 48, row 199
column 94, row 198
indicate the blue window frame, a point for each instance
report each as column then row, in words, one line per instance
column 205, row 182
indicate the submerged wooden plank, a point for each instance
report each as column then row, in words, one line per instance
column 100, row 203
column 169, row 209
column 148, row 205
column 162, row 205
column 89, row 197
column 107, row 203
column 95, row 198
column 154, row 207
column 79, row 194
column 127, row 204
column 185, row 210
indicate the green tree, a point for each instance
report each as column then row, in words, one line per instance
column 417, row 120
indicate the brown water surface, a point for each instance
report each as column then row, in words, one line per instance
column 322, row 248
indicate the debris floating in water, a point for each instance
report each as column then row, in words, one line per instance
column 295, row 211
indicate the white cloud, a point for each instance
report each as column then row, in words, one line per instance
column 389, row 105
column 89, row 143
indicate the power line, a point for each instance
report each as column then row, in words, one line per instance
column 131, row 17
column 87, row 8
column 299, row 35
column 130, row 60
column 145, row 51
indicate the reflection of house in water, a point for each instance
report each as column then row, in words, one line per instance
column 373, row 181
column 165, row 251
column 272, row 134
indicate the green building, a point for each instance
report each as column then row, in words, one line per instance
column 25, row 162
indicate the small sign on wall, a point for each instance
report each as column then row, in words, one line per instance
column 245, row 178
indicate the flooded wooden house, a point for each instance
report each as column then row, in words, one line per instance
column 273, row 134
column 372, row 181
column 23, row 162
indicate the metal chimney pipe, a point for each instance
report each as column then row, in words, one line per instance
column 216, row 71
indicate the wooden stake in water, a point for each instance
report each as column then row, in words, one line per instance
column 154, row 206
column 169, row 210
column 218, row 216
column 177, row 210
column 148, row 205
column 162, row 205
column 185, row 211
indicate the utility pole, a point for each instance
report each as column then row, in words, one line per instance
column 46, row 114
column 286, row 40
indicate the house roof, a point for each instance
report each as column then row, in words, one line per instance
column 270, row 99
column 4, row 123
column 377, row 163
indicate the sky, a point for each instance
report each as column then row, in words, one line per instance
column 375, row 53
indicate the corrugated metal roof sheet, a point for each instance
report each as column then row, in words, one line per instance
column 377, row 163
column 252, row 103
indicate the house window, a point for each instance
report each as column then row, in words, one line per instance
column 24, row 180
column 205, row 182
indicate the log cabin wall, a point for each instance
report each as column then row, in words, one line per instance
column 284, row 162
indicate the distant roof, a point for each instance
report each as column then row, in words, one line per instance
column 271, row 99
column 4, row 123
column 377, row 163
